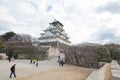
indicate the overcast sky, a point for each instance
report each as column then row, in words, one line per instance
column 96, row 21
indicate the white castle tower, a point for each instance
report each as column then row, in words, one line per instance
column 53, row 36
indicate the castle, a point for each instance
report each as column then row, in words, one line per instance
column 53, row 37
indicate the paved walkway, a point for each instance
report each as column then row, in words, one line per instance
column 24, row 68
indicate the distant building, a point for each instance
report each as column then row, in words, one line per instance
column 53, row 36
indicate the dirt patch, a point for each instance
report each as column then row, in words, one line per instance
column 66, row 72
column 108, row 72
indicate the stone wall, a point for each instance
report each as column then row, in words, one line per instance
column 3, row 56
column 115, row 69
column 41, row 56
column 53, row 51
column 85, row 61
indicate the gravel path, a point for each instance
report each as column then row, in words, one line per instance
column 24, row 70
column 66, row 72
column 108, row 72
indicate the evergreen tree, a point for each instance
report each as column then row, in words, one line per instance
column 2, row 46
column 8, row 35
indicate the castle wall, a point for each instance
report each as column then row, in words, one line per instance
column 3, row 56
column 53, row 48
column 53, row 51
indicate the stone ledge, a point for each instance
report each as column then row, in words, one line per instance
column 97, row 75
column 115, row 69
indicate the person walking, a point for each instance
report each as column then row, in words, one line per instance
column 13, row 71
column 62, row 62
column 59, row 60
column 37, row 64
column 62, row 58
column 9, row 60
column 30, row 61
column 34, row 61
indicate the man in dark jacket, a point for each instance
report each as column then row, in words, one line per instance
column 13, row 70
